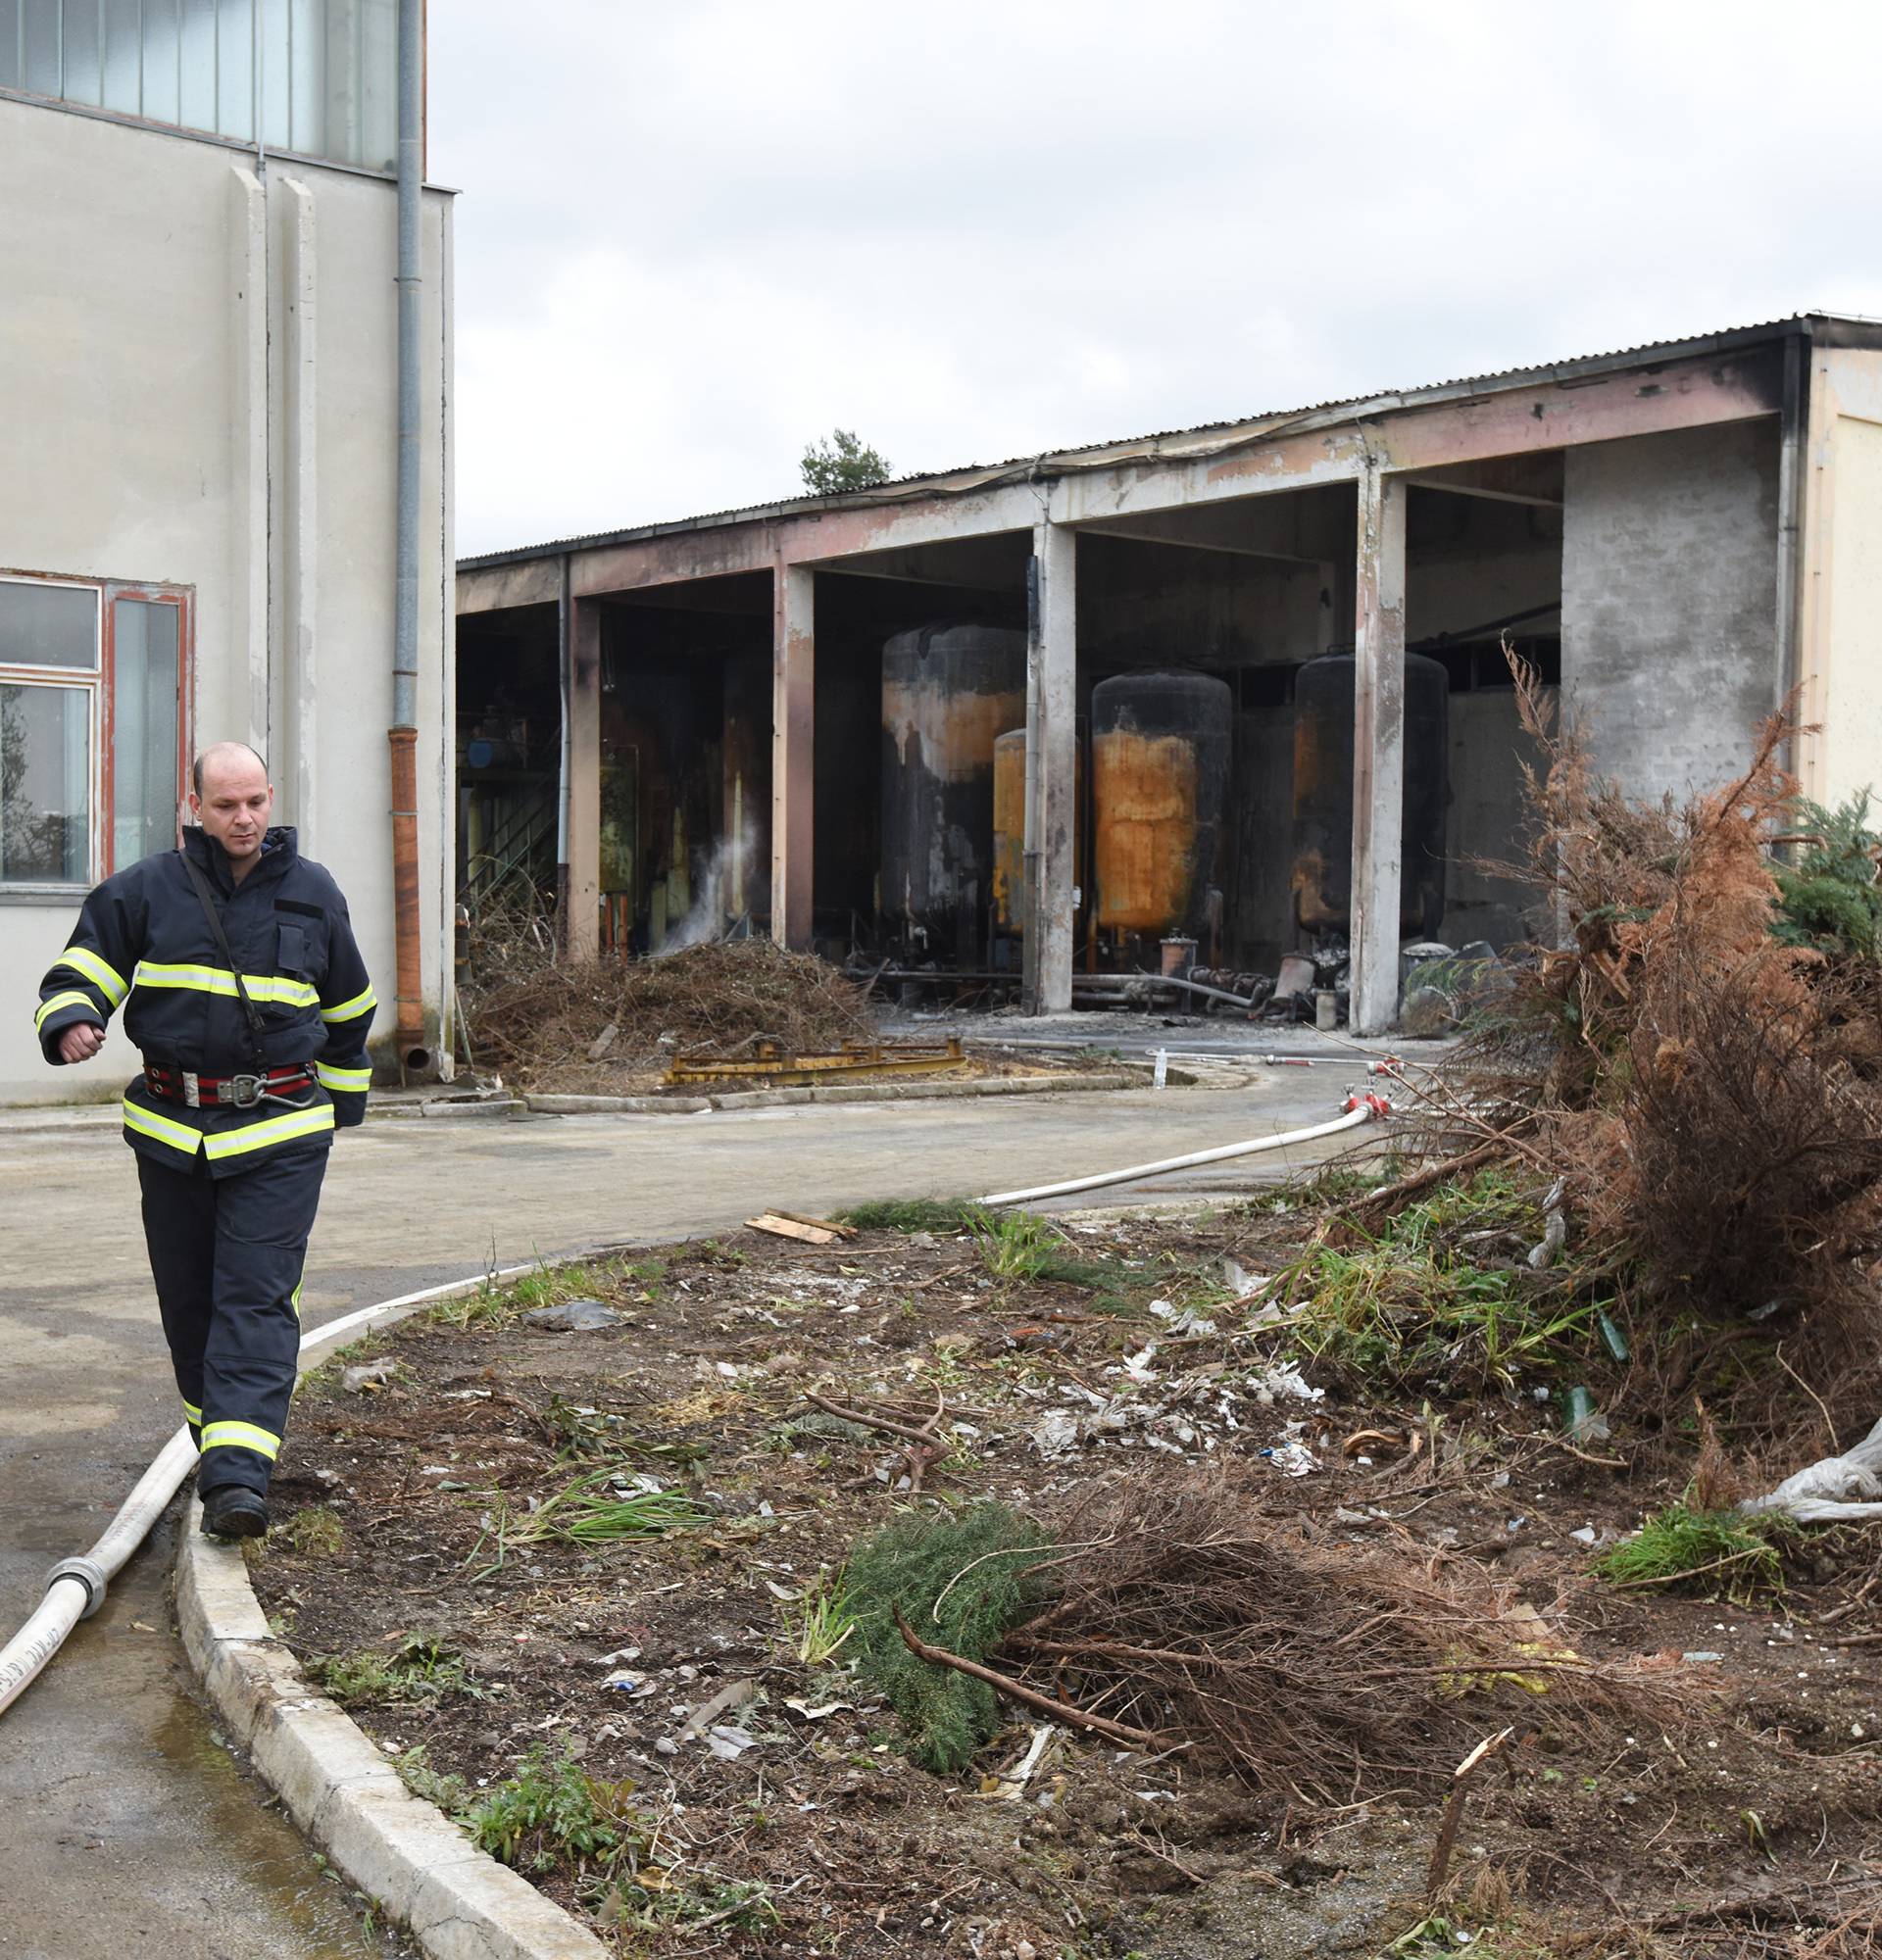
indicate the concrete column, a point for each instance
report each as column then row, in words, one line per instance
column 793, row 751
column 1052, row 762
column 1378, row 749
column 583, row 931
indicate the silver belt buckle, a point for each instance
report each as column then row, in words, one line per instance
column 192, row 1092
column 245, row 1090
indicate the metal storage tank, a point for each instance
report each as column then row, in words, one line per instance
column 1160, row 751
column 948, row 691
column 1322, row 876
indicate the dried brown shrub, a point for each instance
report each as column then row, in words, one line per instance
column 1316, row 1672
column 539, row 1021
column 1711, row 1095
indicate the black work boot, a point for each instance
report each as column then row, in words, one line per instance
column 234, row 1512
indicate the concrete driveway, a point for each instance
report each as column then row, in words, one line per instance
column 130, row 1828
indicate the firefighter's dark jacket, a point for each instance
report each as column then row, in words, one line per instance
column 142, row 943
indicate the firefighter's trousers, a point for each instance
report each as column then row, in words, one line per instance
column 226, row 1255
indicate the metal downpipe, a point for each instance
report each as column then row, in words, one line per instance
column 403, row 736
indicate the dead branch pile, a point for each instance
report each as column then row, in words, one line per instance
column 1712, row 1095
column 1321, row 1674
column 547, row 1025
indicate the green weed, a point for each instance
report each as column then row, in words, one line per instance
column 1425, row 1296
column 818, row 1625
column 418, row 1669
column 315, row 1532
column 552, row 1812
column 1711, row 1550
column 447, row 1791
column 592, row 1511
column 651, row 1901
column 1013, row 1245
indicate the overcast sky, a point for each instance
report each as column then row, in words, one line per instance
column 695, row 234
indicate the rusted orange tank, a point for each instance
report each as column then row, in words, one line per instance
column 1009, row 829
column 1159, row 744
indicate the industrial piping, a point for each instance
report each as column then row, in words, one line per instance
column 403, row 736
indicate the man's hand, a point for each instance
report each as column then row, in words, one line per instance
column 80, row 1042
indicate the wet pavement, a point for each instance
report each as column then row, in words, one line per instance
column 128, row 1827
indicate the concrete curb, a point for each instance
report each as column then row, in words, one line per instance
column 856, row 1092
column 456, row 1902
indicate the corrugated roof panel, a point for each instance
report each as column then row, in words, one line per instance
column 885, row 491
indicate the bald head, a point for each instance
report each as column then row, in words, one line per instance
column 231, row 800
column 222, row 756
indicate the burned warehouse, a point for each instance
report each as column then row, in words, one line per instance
column 1233, row 706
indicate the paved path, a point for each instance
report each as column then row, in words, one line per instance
column 129, row 1829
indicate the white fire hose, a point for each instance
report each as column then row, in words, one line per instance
column 1358, row 1110
column 75, row 1586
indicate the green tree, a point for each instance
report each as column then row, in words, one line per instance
column 841, row 461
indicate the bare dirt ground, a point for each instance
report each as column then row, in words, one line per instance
column 660, row 1726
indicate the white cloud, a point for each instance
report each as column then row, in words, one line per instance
column 694, row 238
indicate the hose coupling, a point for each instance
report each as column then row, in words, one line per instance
column 89, row 1574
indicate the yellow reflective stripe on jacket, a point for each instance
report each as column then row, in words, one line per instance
column 146, row 1122
column 101, row 973
column 221, row 1143
column 47, row 1008
column 348, row 1081
column 219, row 980
column 241, row 1436
column 360, row 1004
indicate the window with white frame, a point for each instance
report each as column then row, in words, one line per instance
column 93, row 726
column 315, row 77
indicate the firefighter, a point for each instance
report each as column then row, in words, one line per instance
column 234, row 962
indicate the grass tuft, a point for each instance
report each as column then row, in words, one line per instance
column 944, row 1215
column 593, row 1512
column 820, row 1624
column 1710, row 1549
column 418, row 1669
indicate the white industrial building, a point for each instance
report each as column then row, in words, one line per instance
column 200, row 432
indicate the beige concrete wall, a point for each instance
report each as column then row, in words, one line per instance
column 198, row 388
column 1840, row 662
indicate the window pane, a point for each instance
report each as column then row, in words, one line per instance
column 144, row 786
column 307, row 43
column 379, row 84
column 277, row 93
column 48, row 625
column 44, row 783
column 40, row 46
column 10, row 43
column 196, row 108
column 235, row 70
column 81, row 55
column 161, row 50
column 124, row 31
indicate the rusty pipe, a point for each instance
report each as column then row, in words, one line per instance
column 410, row 1025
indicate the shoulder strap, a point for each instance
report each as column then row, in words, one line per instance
column 253, row 1018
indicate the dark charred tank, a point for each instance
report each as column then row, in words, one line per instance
column 948, row 692
column 1159, row 755
column 1009, row 830
column 1322, row 876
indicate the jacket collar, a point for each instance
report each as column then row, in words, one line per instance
column 280, row 847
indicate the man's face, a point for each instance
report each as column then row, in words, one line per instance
column 234, row 804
